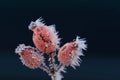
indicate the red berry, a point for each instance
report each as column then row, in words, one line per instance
column 45, row 37
column 29, row 57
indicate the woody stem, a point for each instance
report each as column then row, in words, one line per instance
column 52, row 66
column 51, row 59
column 44, row 68
column 54, row 77
column 59, row 67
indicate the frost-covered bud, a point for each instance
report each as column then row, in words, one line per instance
column 45, row 37
column 70, row 53
column 29, row 56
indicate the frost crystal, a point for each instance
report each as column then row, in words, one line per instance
column 45, row 37
column 21, row 47
column 38, row 23
column 29, row 56
column 46, row 41
column 80, row 46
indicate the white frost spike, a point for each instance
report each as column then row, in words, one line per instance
column 21, row 47
column 80, row 46
column 38, row 23
column 58, row 74
column 55, row 39
column 62, row 69
column 81, row 43
column 32, row 25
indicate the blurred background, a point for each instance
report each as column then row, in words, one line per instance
column 96, row 20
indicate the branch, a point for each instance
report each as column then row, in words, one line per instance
column 44, row 68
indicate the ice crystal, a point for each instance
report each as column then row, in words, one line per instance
column 46, row 40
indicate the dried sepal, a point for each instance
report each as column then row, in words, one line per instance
column 38, row 23
column 81, row 45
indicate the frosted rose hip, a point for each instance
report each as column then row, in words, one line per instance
column 66, row 53
column 29, row 57
column 70, row 52
column 45, row 37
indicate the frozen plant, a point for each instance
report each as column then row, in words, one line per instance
column 47, row 42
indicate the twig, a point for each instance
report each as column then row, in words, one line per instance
column 45, row 68
column 51, row 60
column 59, row 67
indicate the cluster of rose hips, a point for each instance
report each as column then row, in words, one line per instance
column 47, row 42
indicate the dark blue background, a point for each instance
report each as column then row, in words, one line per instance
column 96, row 20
